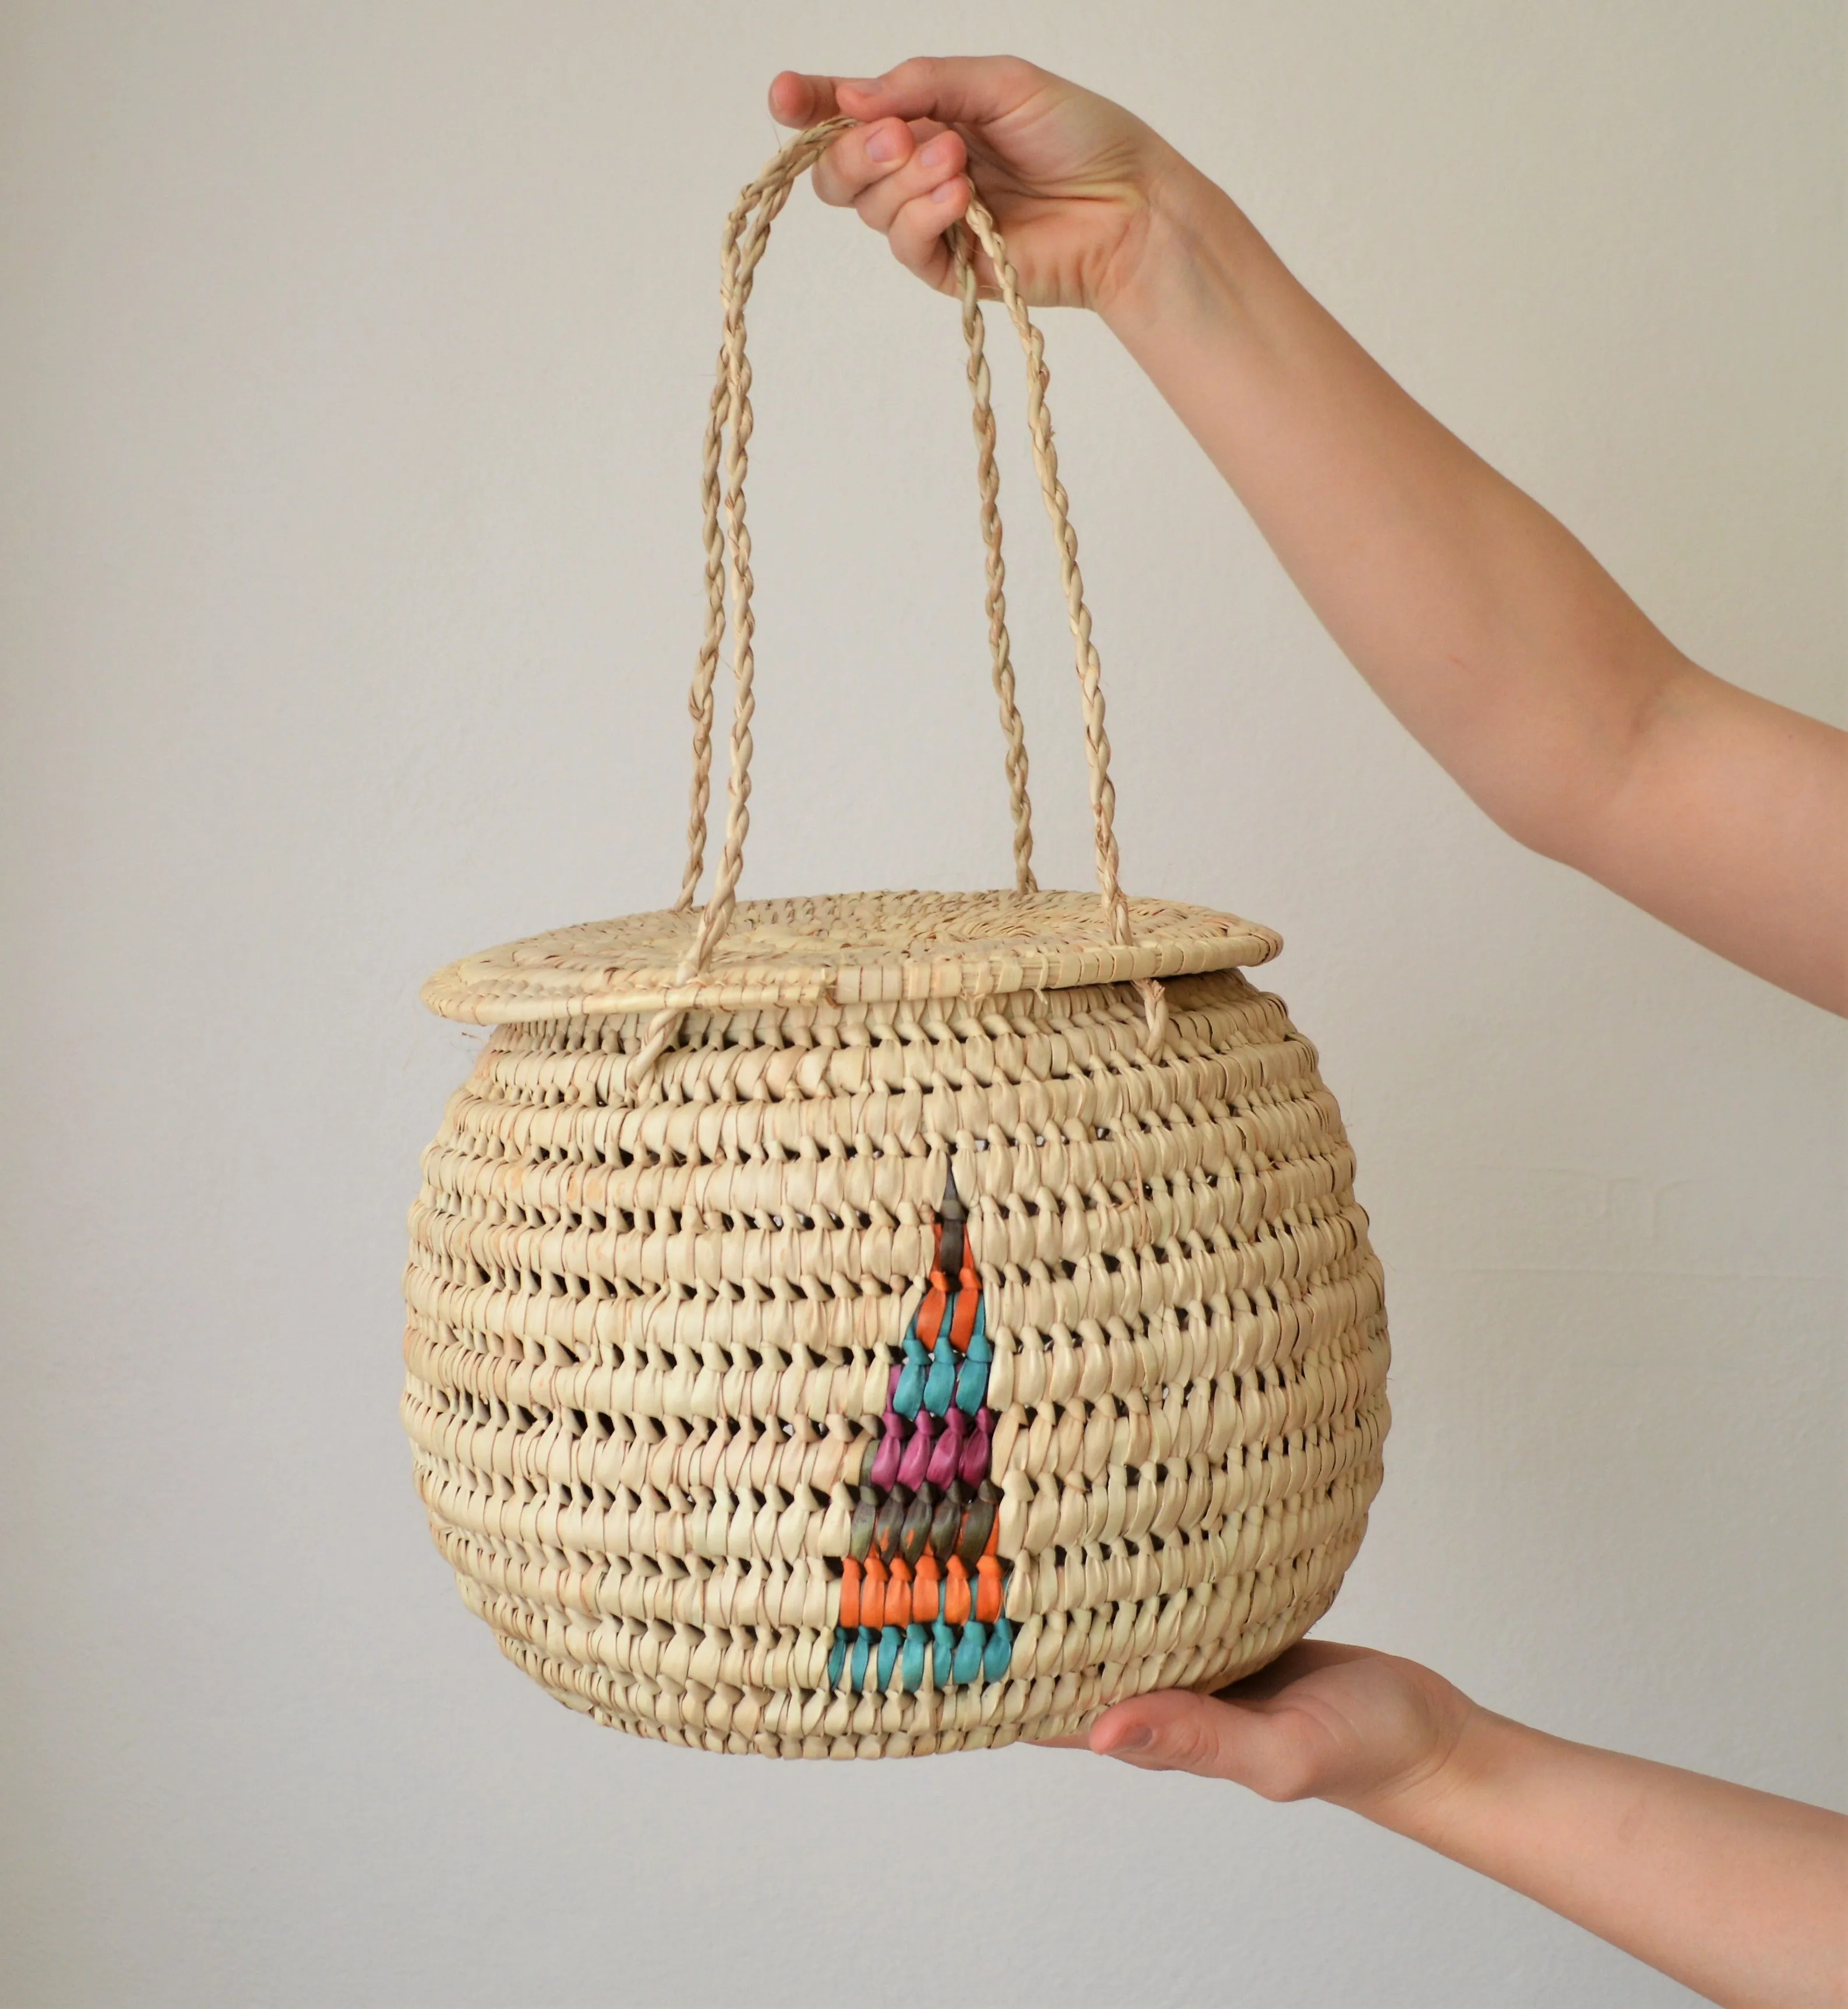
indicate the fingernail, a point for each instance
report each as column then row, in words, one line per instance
column 883, row 145
column 939, row 153
column 944, row 191
column 1137, row 1740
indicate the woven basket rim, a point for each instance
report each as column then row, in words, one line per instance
column 842, row 948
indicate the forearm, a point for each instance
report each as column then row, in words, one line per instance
column 1487, row 629
column 1740, row 1894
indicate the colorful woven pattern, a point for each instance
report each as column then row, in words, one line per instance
column 921, row 1582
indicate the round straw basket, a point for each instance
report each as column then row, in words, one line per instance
column 895, row 1322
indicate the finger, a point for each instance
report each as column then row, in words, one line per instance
column 797, row 100
column 916, row 233
column 1181, row 1732
column 959, row 89
column 938, row 160
column 858, row 160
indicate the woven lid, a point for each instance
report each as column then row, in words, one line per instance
column 847, row 948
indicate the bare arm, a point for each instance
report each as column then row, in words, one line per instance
column 1490, row 632
column 1741, row 1895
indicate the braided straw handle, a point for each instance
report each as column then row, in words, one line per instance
column 727, row 544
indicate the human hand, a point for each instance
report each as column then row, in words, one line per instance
column 1072, row 180
column 1323, row 1722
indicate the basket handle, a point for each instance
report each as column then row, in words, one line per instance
column 728, row 563
column 741, row 262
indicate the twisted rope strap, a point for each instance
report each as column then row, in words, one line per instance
column 988, row 482
column 1090, row 670
column 742, row 249
column 727, row 544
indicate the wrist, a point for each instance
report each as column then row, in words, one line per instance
column 1194, row 242
column 1431, row 1799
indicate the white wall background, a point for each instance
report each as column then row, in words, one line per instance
column 355, row 357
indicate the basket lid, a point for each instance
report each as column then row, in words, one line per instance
column 844, row 948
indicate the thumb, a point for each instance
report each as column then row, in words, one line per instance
column 973, row 90
column 1182, row 1732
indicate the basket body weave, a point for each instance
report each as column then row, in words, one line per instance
column 890, row 1323
column 653, row 1348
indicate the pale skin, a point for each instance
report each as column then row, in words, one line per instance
column 1521, row 666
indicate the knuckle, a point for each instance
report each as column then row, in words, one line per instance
column 1289, row 1782
column 1190, row 1748
column 1285, row 1773
column 875, row 213
column 841, row 175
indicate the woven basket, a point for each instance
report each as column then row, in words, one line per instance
column 898, row 1321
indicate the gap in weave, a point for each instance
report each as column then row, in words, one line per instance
column 933, row 1022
